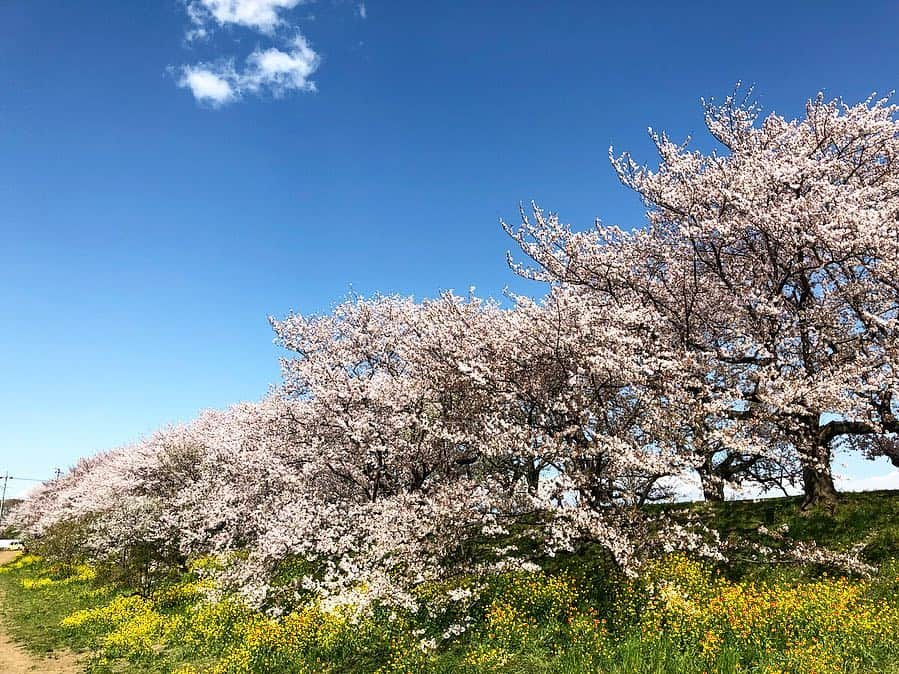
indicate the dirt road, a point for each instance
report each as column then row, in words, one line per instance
column 16, row 660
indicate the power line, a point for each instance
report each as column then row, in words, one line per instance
column 6, row 478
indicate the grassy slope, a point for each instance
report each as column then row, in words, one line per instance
column 873, row 517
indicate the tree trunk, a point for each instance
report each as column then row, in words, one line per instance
column 817, row 480
column 712, row 486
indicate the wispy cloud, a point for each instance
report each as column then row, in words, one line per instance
column 363, row 12
column 270, row 71
column 263, row 16
column 277, row 70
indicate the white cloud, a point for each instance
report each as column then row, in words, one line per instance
column 267, row 71
column 282, row 72
column 207, row 85
column 198, row 20
column 263, row 16
column 283, row 63
column 685, row 486
column 887, row 481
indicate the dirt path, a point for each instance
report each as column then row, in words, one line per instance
column 16, row 660
column 7, row 556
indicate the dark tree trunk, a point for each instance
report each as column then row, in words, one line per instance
column 817, row 480
column 712, row 486
column 818, row 488
column 532, row 476
column 813, row 445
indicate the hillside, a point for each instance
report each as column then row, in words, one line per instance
column 869, row 517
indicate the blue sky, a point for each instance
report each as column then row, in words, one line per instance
column 151, row 220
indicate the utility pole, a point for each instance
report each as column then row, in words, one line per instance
column 3, row 496
column 6, row 478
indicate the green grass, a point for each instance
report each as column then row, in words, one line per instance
column 33, row 618
column 863, row 515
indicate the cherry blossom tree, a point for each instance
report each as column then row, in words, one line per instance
column 773, row 263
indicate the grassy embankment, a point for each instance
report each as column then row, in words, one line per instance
column 680, row 616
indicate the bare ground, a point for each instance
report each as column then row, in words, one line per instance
column 16, row 660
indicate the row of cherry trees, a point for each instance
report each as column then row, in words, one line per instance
column 743, row 332
column 407, row 442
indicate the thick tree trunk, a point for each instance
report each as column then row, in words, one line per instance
column 817, row 480
column 712, row 486
column 819, row 489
